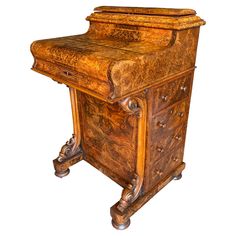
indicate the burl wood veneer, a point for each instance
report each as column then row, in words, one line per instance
column 130, row 79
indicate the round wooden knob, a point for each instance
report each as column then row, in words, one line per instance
column 178, row 137
column 183, row 88
column 164, row 98
column 162, row 125
column 159, row 172
column 159, row 149
column 180, row 114
column 175, row 158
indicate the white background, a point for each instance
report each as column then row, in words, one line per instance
column 36, row 121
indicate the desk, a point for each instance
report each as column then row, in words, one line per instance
column 130, row 80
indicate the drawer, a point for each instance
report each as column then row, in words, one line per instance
column 165, row 142
column 171, row 92
column 68, row 76
column 170, row 118
column 161, row 168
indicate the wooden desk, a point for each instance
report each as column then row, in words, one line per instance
column 130, row 79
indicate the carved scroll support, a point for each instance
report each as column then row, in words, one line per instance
column 135, row 106
column 71, row 152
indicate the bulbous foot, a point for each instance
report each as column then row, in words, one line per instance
column 178, row 177
column 62, row 173
column 121, row 226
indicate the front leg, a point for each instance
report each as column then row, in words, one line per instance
column 68, row 156
column 120, row 211
column 120, row 215
column 71, row 152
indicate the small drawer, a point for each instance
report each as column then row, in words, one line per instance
column 171, row 92
column 170, row 118
column 161, row 168
column 166, row 142
column 70, row 77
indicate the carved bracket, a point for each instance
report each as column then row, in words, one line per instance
column 70, row 154
column 135, row 106
column 68, row 150
column 129, row 194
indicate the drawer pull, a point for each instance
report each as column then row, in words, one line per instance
column 171, row 111
column 159, row 172
column 175, row 159
column 67, row 73
column 178, row 137
column 162, row 125
column 180, row 114
column 164, row 98
column 161, row 150
column 183, row 88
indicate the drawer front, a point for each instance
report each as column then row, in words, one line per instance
column 170, row 118
column 171, row 92
column 161, row 168
column 165, row 142
column 68, row 76
column 168, row 131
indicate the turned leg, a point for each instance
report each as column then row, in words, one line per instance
column 71, row 152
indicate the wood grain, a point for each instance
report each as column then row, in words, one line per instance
column 114, row 59
column 109, row 136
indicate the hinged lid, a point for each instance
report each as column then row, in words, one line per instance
column 147, row 11
column 163, row 18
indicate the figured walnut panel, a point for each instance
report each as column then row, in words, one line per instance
column 109, row 137
column 120, row 60
column 172, row 92
column 130, row 75
column 129, row 37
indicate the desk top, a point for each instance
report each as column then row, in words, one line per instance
column 124, row 51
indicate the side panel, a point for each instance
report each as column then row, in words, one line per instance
column 109, row 137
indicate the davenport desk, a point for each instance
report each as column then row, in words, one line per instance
column 130, row 79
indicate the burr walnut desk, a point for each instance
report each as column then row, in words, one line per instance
column 130, row 79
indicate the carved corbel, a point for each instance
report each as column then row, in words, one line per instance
column 71, row 152
column 68, row 150
column 135, row 106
